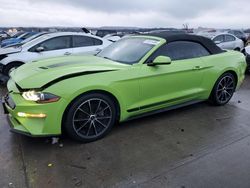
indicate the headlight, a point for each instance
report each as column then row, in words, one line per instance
column 40, row 97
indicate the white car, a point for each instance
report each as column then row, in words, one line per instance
column 50, row 45
column 247, row 50
column 112, row 37
column 228, row 42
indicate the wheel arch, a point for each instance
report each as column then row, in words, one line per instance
column 238, row 49
column 233, row 72
column 99, row 91
column 211, row 95
column 12, row 63
column 112, row 96
column 15, row 62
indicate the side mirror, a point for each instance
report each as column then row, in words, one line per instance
column 161, row 60
column 40, row 49
column 217, row 42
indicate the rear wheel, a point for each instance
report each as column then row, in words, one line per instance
column 90, row 117
column 223, row 89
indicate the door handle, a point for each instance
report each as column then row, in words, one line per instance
column 197, row 68
column 67, row 53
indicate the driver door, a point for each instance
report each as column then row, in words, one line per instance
column 178, row 82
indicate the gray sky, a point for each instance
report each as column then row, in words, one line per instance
column 140, row 13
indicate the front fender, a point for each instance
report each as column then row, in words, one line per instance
column 10, row 59
column 69, row 92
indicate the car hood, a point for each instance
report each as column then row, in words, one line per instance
column 36, row 75
column 10, row 50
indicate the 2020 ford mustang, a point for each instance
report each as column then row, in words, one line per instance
column 138, row 75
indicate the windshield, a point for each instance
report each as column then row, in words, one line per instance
column 17, row 34
column 21, row 36
column 36, row 40
column 27, row 35
column 128, row 50
column 33, row 37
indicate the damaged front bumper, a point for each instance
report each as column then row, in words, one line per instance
column 20, row 111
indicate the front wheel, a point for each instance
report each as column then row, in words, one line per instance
column 223, row 89
column 90, row 117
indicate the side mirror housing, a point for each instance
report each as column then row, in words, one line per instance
column 217, row 42
column 161, row 60
column 40, row 49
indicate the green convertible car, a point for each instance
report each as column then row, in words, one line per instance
column 85, row 96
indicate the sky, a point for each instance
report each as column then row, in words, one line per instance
column 134, row 13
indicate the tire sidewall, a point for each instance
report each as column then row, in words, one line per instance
column 69, row 114
column 213, row 96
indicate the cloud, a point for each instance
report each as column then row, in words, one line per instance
column 140, row 13
column 175, row 8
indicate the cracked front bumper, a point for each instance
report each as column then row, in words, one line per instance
column 14, row 105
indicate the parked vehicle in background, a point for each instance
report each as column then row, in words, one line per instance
column 50, row 45
column 26, row 40
column 228, row 42
column 3, row 35
column 104, row 32
column 136, row 76
column 208, row 34
column 167, row 32
column 113, row 37
column 247, row 51
column 239, row 34
column 121, row 34
column 18, row 39
column 248, row 41
column 16, row 34
column 11, row 35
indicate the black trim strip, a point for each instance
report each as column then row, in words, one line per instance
column 30, row 135
column 19, row 88
column 72, row 76
column 164, row 109
column 156, row 104
column 13, row 130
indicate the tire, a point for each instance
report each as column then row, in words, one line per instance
column 248, row 70
column 237, row 49
column 90, row 117
column 10, row 67
column 223, row 89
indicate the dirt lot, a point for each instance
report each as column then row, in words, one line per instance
column 196, row 146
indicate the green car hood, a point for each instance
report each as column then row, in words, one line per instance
column 37, row 74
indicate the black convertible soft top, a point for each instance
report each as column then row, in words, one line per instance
column 207, row 43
